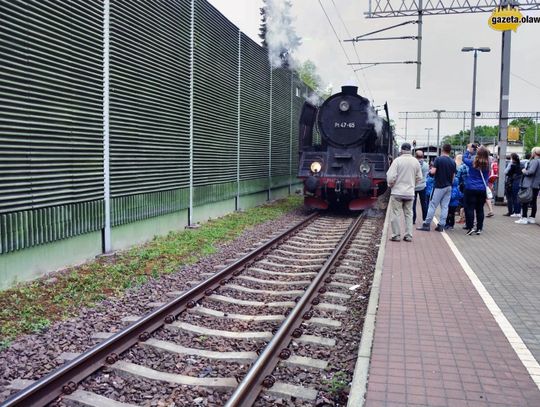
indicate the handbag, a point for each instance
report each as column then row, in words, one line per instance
column 489, row 192
column 525, row 195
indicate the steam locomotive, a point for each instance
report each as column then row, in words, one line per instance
column 347, row 168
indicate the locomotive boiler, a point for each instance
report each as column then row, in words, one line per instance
column 346, row 167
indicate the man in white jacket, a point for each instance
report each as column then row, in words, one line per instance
column 402, row 177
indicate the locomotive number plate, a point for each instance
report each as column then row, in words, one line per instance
column 344, row 125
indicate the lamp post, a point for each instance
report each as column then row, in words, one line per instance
column 439, row 111
column 428, row 130
column 473, row 110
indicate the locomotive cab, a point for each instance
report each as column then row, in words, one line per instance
column 347, row 168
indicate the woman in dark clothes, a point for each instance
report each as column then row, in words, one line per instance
column 511, row 186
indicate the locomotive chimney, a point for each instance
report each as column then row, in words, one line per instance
column 349, row 90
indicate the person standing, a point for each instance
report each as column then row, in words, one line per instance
column 475, row 187
column 444, row 170
column 461, row 175
column 531, row 179
column 402, row 177
column 511, row 186
column 420, row 189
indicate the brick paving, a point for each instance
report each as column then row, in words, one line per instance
column 510, row 270
column 436, row 343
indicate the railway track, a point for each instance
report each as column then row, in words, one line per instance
column 230, row 333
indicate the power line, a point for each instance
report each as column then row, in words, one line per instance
column 339, row 41
column 525, row 80
column 354, row 47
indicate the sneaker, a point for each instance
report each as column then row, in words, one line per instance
column 531, row 220
column 439, row 228
column 471, row 231
column 408, row 238
column 424, row 227
column 522, row 221
column 515, row 215
column 396, row 238
column 448, row 227
column 490, row 214
column 508, row 214
column 478, row 232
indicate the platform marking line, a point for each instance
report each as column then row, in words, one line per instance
column 522, row 351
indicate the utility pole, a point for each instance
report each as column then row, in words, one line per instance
column 428, row 132
column 419, row 57
column 439, row 128
column 503, row 109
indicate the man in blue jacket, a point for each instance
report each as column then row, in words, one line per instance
column 444, row 170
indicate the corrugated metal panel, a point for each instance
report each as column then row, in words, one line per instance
column 215, row 117
column 19, row 230
column 299, row 90
column 132, row 208
column 254, row 116
column 149, row 98
column 51, row 154
column 50, row 91
column 281, row 126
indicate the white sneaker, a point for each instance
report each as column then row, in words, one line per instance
column 515, row 215
column 531, row 220
column 522, row 221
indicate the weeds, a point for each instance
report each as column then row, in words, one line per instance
column 33, row 307
column 337, row 384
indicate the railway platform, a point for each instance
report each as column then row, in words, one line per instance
column 458, row 319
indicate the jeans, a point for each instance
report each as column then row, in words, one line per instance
column 451, row 219
column 532, row 204
column 423, row 204
column 474, row 202
column 512, row 201
column 440, row 196
column 396, row 206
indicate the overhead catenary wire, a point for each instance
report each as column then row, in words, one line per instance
column 339, row 41
column 355, row 50
column 525, row 80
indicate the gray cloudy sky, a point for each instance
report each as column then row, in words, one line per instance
column 446, row 72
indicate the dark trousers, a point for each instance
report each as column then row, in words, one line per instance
column 532, row 204
column 474, row 203
column 451, row 218
column 512, row 201
column 423, row 203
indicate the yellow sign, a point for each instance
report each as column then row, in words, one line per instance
column 505, row 18
column 513, row 133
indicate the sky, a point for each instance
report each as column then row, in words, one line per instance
column 446, row 71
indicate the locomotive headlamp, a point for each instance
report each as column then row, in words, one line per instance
column 344, row 106
column 315, row 167
column 365, row 167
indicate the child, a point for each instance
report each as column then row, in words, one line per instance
column 455, row 200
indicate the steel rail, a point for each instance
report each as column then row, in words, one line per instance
column 65, row 379
column 259, row 374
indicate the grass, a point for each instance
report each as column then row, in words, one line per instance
column 32, row 307
column 338, row 383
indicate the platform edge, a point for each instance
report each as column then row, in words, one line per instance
column 361, row 370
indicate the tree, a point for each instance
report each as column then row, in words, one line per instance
column 308, row 74
column 527, row 132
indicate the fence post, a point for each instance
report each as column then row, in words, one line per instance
column 106, row 128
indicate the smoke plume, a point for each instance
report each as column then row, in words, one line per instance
column 374, row 119
column 280, row 36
